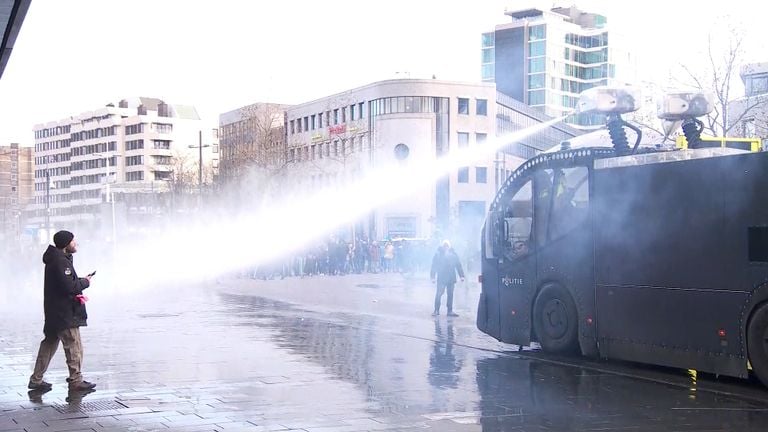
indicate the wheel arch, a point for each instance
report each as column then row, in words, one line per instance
column 757, row 298
column 585, row 332
column 557, row 285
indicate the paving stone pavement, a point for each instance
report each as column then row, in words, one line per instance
column 358, row 353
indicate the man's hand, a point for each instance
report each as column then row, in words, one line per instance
column 462, row 279
column 88, row 278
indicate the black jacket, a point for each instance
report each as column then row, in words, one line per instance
column 62, row 309
column 445, row 264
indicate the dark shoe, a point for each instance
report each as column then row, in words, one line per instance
column 82, row 386
column 435, row 313
column 451, row 314
column 36, row 396
column 75, row 397
column 42, row 386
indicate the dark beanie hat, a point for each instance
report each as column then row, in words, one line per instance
column 62, row 238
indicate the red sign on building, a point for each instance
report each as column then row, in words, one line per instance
column 337, row 130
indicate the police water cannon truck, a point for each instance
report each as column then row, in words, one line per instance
column 645, row 253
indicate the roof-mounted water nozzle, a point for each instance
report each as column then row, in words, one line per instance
column 613, row 102
column 684, row 107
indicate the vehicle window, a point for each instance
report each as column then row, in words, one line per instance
column 518, row 219
column 570, row 206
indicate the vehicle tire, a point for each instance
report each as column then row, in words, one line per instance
column 757, row 342
column 555, row 320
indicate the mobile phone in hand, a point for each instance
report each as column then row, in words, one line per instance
column 92, row 273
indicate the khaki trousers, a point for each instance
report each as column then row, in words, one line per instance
column 73, row 350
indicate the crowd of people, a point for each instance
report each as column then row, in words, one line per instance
column 339, row 257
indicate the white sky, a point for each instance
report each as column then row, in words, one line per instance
column 78, row 55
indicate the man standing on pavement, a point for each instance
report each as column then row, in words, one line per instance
column 64, row 306
column 445, row 265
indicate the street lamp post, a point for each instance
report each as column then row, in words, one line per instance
column 47, row 203
column 47, row 198
column 200, row 147
column 109, row 196
column 111, row 200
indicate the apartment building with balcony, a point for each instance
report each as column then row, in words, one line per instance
column 128, row 152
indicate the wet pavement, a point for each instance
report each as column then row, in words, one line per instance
column 347, row 353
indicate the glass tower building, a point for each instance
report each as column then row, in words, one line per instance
column 545, row 58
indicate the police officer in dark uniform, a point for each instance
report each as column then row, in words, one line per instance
column 445, row 265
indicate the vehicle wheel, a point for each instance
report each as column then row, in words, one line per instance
column 757, row 342
column 555, row 320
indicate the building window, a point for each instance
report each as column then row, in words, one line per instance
column 134, row 144
column 757, row 85
column 162, row 127
column 134, row 176
column 537, row 48
column 162, row 160
column 161, row 144
column 336, row 116
column 352, row 112
column 306, row 124
column 487, row 71
column 488, row 39
column 293, row 127
column 314, row 125
column 134, row 160
column 482, row 107
column 134, row 129
column 536, row 97
column 538, row 32
column 481, row 138
column 344, row 114
column 488, row 55
column 360, row 110
column 464, row 106
column 481, row 175
column 536, row 81
column 537, row 65
column 298, row 125
column 463, row 139
column 464, row 175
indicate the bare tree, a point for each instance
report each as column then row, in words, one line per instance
column 253, row 151
column 183, row 173
column 720, row 77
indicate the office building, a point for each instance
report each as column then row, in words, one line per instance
column 338, row 139
column 16, row 188
column 546, row 58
